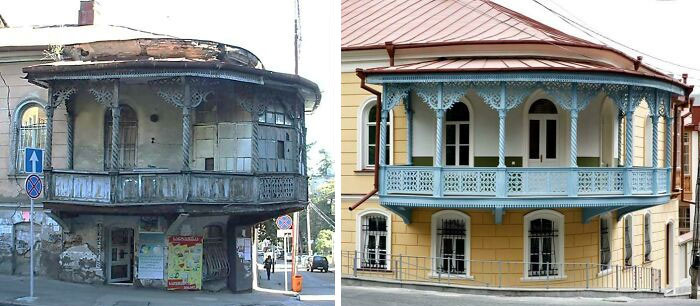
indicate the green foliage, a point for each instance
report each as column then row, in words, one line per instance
column 324, row 242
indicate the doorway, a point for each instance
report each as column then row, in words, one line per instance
column 120, row 255
column 669, row 252
column 543, row 125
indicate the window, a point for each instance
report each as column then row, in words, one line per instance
column 628, row 241
column 544, row 241
column 647, row 237
column 457, row 138
column 605, row 222
column 31, row 132
column 686, row 153
column 128, row 127
column 369, row 136
column 542, row 130
column 450, row 242
column 374, row 241
column 275, row 115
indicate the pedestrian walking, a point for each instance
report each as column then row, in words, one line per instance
column 268, row 265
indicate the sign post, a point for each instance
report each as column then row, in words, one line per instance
column 33, row 164
column 284, row 225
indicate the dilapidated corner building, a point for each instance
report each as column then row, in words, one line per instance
column 169, row 138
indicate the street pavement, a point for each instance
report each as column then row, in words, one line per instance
column 58, row 293
column 315, row 285
column 362, row 296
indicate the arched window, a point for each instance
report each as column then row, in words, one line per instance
column 647, row 237
column 374, row 241
column 628, row 241
column 605, row 235
column 450, row 242
column 648, row 137
column 128, row 127
column 458, row 136
column 542, row 130
column 31, row 131
column 369, row 137
column 544, row 244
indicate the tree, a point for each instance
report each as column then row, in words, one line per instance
column 324, row 242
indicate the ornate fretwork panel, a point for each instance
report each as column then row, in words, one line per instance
column 103, row 91
column 393, row 94
column 516, row 92
column 641, row 180
column 599, row 181
column 537, row 182
column 409, row 180
column 61, row 93
column 468, row 182
column 490, row 92
column 619, row 94
column 174, row 90
column 273, row 188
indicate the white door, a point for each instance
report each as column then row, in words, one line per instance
column 121, row 250
column 543, row 140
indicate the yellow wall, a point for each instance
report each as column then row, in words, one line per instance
column 504, row 242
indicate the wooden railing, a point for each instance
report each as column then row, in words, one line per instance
column 151, row 187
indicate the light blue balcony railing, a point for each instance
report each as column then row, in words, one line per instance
column 523, row 182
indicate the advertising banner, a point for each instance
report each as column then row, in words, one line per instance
column 151, row 255
column 184, row 263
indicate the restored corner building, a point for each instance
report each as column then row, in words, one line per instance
column 160, row 156
column 483, row 148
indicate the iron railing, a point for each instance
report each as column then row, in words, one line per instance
column 504, row 274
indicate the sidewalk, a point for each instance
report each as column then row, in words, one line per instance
column 53, row 292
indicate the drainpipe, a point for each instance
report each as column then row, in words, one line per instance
column 390, row 50
column 377, row 118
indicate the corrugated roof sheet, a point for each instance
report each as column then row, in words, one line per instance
column 372, row 23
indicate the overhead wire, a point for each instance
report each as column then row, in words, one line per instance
column 587, row 29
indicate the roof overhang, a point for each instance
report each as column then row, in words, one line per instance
column 95, row 70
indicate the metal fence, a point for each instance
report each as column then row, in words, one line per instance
column 501, row 274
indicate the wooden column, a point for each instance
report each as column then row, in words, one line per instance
column 49, row 129
column 186, row 128
column 116, row 116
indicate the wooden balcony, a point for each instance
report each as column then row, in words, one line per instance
column 158, row 188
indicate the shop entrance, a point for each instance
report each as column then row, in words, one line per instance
column 120, row 255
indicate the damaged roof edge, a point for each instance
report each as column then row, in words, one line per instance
column 308, row 89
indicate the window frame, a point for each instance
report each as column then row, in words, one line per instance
column 471, row 125
column 647, row 245
column 434, row 247
column 628, row 219
column 359, row 248
column 608, row 218
column 16, row 129
column 556, row 218
column 363, row 157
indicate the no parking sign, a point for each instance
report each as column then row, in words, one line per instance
column 33, row 186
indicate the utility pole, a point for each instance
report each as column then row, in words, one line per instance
column 693, row 271
column 308, row 230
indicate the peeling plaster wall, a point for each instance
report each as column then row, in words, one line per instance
column 15, row 243
column 158, row 143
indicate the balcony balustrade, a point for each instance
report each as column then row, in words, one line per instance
column 523, row 182
column 168, row 187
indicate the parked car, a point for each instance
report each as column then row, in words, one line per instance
column 317, row 262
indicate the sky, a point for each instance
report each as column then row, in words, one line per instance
column 265, row 27
column 666, row 29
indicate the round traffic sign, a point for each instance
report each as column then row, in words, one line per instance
column 33, row 186
column 284, row 222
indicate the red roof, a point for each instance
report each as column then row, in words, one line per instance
column 369, row 24
column 505, row 64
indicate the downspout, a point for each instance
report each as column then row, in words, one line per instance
column 377, row 118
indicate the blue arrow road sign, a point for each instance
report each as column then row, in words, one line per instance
column 33, row 186
column 33, row 160
column 284, row 222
